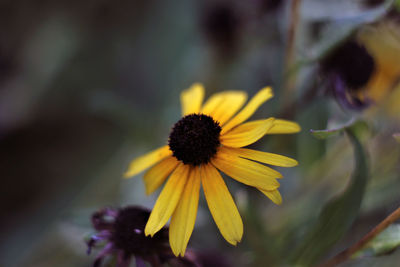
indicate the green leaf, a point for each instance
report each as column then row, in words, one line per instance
column 324, row 134
column 385, row 242
column 310, row 149
column 337, row 215
column 390, row 260
column 357, row 127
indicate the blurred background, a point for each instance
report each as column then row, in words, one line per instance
column 86, row 86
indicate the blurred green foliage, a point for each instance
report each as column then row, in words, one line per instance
column 338, row 214
column 384, row 243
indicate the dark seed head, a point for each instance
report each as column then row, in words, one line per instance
column 352, row 63
column 373, row 3
column 194, row 139
column 220, row 24
column 129, row 234
column 270, row 5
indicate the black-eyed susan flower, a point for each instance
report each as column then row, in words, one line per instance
column 365, row 69
column 209, row 138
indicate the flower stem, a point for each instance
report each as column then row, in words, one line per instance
column 346, row 254
column 294, row 19
column 291, row 40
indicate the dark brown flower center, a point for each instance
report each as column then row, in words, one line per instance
column 194, row 139
column 128, row 234
column 352, row 63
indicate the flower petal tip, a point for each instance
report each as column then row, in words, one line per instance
column 147, row 231
column 267, row 90
column 127, row 175
column 296, row 127
column 178, row 250
column 291, row 163
column 235, row 242
column 197, row 84
column 237, row 239
column 178, row 253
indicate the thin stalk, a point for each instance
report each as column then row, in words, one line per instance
column 290, row 53
column 346, row 254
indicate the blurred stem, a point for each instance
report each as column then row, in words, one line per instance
column 346, row 254
column 291, row 76
column 259, row 238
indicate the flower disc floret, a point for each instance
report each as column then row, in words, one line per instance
column 194, row 139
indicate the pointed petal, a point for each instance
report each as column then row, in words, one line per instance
column 247, row 133
column 154, row 177
column 257, row 100
column 284, row 127
column 184, row 217
column 264, row 157
column 274, row 195
column 221, row 205
column 141, row 163
column 168, row 199
column 192, row 98
column 246, row 171
column 222, row 106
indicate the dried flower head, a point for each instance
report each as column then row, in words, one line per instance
column 121, row 231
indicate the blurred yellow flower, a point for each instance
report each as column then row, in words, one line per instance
column 383, row 43
column 207, row 138
column 364, row 70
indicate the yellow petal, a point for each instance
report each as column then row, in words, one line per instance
column 192, row 98
column 184, row 217
column 141, row 163
column 245, row 171
column 257, row 100
column 154, row 177
column 383, row 43
column 378, row 86
column 168, row 199
column 274, row 195
column 221, row 205
column 222, row 106
column 247, row 133
column 264, row 157
column 284, row 127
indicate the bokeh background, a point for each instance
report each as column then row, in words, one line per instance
column 86, row 86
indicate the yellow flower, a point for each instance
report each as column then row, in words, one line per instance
column 207, row 138
column 383, row 43
column 364, row 70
